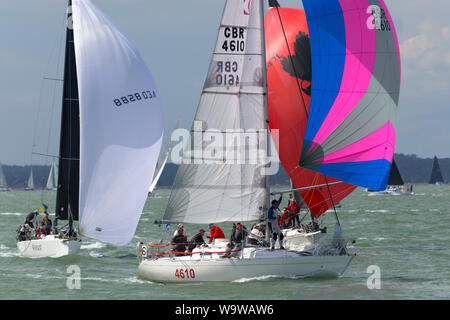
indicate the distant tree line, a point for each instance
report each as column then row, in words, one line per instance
column 412, row 169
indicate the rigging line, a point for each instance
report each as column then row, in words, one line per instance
column 292, row 61
column 332, row 201
column 53, row 156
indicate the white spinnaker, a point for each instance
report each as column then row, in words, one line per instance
column 227, row 186
column 120, row 127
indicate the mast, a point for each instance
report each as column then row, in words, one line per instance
column 266, row 117
column 69, row 150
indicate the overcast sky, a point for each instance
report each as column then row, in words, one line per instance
column 176, row 39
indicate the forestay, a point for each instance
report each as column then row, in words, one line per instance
column 355, row 91
column 120, row 127
column 222, row 178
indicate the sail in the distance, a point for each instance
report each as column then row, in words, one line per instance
column 395, row 178
column 121, row 127
column 3, row 182
column 30, row 182
column 52, row 180
column 222, row 184
column 288, row 57
column 436, row 174
column 354, row 92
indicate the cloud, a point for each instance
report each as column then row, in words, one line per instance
column 426, row 56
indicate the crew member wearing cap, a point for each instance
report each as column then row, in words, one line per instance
column 215, row 233
column 196, row 240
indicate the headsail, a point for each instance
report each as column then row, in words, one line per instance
column 120, row 127
column 217, row 183
column 355, row 91
column 288, row 58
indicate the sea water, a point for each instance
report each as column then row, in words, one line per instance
column 402, row 245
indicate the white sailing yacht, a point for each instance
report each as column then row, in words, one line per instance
column 52, row 180
column 30, row 183
column 217, row 183
column 3, row 184
column 111, row 133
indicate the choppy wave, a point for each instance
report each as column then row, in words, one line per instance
column 95, row 245
column 267, row 277
column 7, row 252
column 95, row 254
column 11, row 214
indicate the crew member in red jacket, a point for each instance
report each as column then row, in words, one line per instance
column 285, row 219
column 215, row 233
column 295, row 210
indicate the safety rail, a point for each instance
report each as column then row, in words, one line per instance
column 144, row 252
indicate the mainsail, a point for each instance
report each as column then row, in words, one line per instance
column 224, row 182
column 69, row 144
column 355, row 88
column 120, row 127
column 289, row 76
column 436, row 174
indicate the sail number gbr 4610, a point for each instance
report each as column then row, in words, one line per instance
column 130, row 98
column 234, row 39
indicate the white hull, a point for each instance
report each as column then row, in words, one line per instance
column 256, row 262
column 48, row 247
